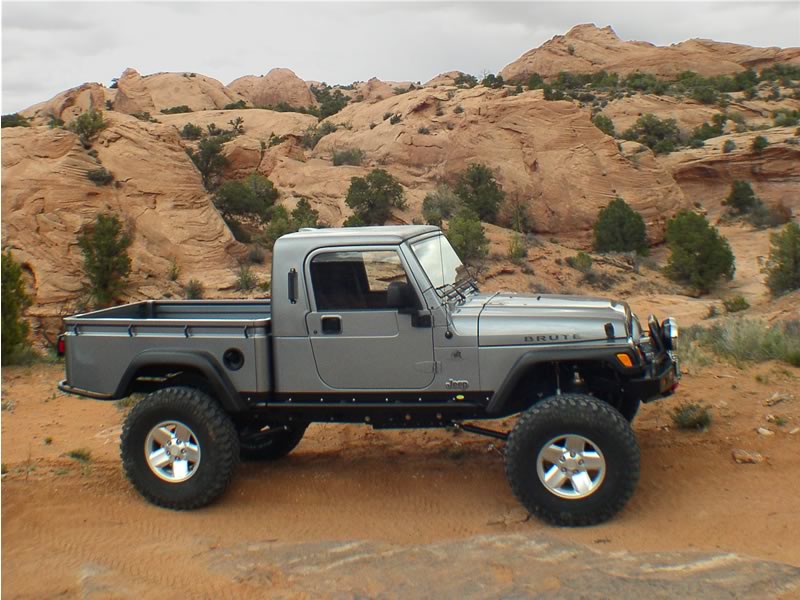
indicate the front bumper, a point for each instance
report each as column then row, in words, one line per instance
column 661, row 381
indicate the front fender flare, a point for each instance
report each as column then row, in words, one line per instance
column 524, row 363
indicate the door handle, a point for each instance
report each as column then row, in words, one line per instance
column 331, row 324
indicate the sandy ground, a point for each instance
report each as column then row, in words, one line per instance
column 66, row 522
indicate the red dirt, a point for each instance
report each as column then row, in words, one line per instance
column 64, row 521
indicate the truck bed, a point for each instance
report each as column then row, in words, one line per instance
column 101, row 345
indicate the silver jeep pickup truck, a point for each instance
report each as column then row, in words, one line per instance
column 383, row 326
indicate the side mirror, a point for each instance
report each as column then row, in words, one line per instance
column 400, row 295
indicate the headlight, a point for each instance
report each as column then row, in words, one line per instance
column 669, row 327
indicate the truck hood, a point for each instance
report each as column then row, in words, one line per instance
column 508, row 319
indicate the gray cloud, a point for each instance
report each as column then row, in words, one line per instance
column 53, row 47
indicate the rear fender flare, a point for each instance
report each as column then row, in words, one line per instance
column 200, row 361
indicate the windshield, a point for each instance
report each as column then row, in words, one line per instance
column 440, row 261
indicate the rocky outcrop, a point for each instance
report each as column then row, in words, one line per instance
column 277, row 86
column 705, row 174
column 546, row 155
column 69, row 104
column 157, row 193
column 152, row 93
column 507, row 566
column 266, row 134
column 588, row 49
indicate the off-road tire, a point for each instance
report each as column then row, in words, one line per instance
column 583, row 416
column 216, row 436
column 274, row 447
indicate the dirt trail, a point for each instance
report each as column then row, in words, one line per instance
column 78, row 528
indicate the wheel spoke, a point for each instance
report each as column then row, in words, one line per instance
column 575, row 443
column 582, row 482
column 554, row 478
column 180, row 468
column 192, row 453
column 162, row 435
column 592, row 461
column 159, row 458
column 182, row 432
column 552, row 454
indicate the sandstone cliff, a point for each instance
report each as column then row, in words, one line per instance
column 157, row 192
column 588, row 49
column 277, row 86
column 152, row 93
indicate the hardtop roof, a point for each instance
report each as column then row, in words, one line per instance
column 385, row 234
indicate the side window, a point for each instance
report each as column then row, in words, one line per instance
column 355, row 280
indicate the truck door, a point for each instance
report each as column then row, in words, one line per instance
column 359, row 341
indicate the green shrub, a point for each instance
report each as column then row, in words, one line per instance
column 691, row 415
column 395, row 119
column 535, row 82
column 743, row 340
column 256, row 255
column 517, row 249
column 239, row 104
column 439, row 205
column 106, row 263
column 280, row 223
column 493, row 81
column 467, row 237
column 83, row 455
column 304, row 215
column 458, row 109
column 174, row 270
column 704, row 94
column 729, row 146
column 245, row 279
column 758, row 144
column 423, row 131
column 14, row 120
column 14, row 345
column 700, row 256
column 209, row 160
column 551, row 93
column 87, row 125
column 194, row 290
column 479, row 191
column 735, row 304
column 580, row 262
column 465, row 80
column 53, row 122
column 619, row 228
column 253, row 197
column 348, row 156
column 191, row 132
column 101, row 176
column 660, row 136
column 237, row 126
column 330, row 102
column 314, row 134
column 373, row 197
column 707, row 131
column 763, row 217
column 604, row 124
column 783, row 265
column 175, row 110
column 783, row 117
column 144, row 116
column 741, row 199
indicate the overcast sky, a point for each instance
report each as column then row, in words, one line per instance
column 49, row 47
